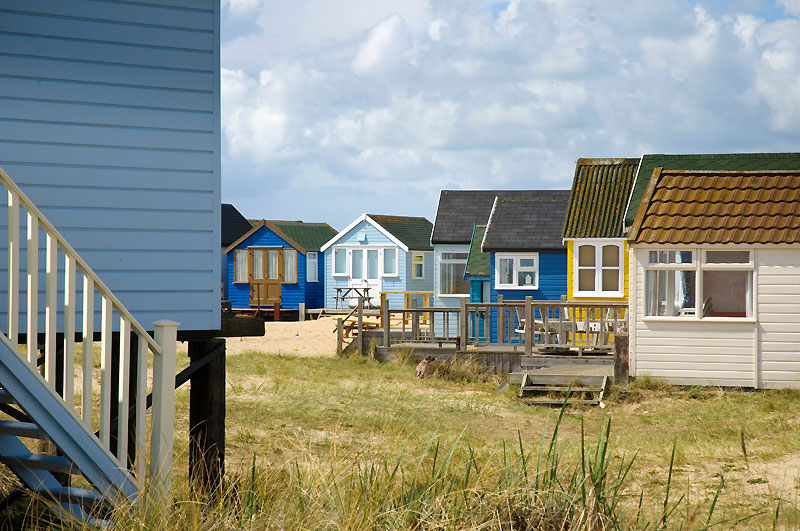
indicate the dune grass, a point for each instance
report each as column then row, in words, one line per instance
column 329, row 443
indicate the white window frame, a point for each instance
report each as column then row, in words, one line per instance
column 699, row 265
column 598, row 268
column 442, row 261
column 346, row 251
column 381, row 263
column 516, row 257
column 414, row 256
column 312, row 256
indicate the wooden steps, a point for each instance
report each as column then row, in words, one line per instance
column 557, row 389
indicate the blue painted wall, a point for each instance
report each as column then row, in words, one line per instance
column 291, row 294
column 111, row 124
column 552, row 283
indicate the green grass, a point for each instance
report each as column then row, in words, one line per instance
column 331, row 443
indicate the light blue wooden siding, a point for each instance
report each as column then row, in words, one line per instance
column 552, row 283
column 424, row 284
column 291, row 294
column 110, row 123
column 355, row 238
column 446, row 301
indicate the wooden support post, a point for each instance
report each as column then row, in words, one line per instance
column 384, row 307
column 276, row 311
column 207, row 417
column 301, row 311
column 339, row 336
column 501, row 321
column 385, row 321
column 361, row 325
column 163, row 432
column 621, row 358
column 464, row 322
column 528, row 325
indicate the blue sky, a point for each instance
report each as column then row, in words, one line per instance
column 331, row 108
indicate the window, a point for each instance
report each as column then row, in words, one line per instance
column 357, row 264
column 451, row 274
column 312, row 267
column 273, row 264
column 258, row 264
column 598, row 269
column 519, row 271
column 340, row 261
column 389, row 262
column 290, row 265
column 725, row 284
column 372, row 263
column 240, row 265
column 418, row 266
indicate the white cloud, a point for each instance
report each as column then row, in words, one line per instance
column 790, row 6
column 386, row 45
column 380, row 103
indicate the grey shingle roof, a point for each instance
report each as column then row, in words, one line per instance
column 527, row 225
column 460, row 210
column 232, row 224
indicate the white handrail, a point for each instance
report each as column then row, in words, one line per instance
column 81, row 264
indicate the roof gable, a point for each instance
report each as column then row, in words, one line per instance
column 232, row 224
column 599, row 196
column 478, row 261
column 716, row 207
column 527, row 225
column 414, row 232
column 460, row 210
column 720, row 162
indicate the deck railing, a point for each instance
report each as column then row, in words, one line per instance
column 411, row 299
column 59, row 253
column 529, row 325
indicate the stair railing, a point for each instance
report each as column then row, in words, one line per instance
column 162, row 346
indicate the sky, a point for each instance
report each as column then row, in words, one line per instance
column 333, row 108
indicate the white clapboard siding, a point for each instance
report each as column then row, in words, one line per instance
column 109, row 122
column 779, row 316
column 688, row 353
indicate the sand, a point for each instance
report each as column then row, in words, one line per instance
column 307, row 338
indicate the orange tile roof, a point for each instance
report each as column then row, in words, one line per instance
column 705, row 207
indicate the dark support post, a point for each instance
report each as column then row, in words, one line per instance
column 464, row 324
column 133, row 368
column 361, row 325
column 621, row 358
column 207, row 417
column 276, row 311
column 339, row 336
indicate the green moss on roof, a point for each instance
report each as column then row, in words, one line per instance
column 721, row 162
column 310, row 236
column 477, row 261
column 414, row 232
column 599, row 195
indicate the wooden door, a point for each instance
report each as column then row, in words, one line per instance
column 265, row 275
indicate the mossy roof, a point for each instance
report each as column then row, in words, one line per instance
column 478, row 264
column 718, row 162
column 414, row 232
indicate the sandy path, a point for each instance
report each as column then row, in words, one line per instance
column 307, row 338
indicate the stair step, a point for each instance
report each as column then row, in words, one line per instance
column 561, row 388
column 83, row 497
column 22, row 429
column 553, row 401
column 53, row 463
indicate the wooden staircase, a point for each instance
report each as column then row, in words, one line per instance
column 39, row 405
column 556, row 389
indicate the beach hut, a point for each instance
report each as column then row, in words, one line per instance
column 597, row 258
column 715, row 271
column 527, row 254
column 389, row 254
column 232, row 226
column 277, row 264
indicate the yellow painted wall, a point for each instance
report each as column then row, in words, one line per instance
column 571, row 273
